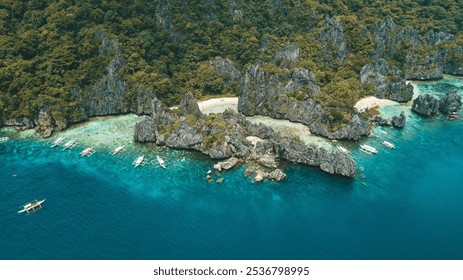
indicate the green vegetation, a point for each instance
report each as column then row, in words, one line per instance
column 49, row 47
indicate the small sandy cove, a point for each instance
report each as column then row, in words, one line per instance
column 218, row 105
column 370, row 102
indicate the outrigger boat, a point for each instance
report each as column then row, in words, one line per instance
column 118, row 150
column 69, row 144
column 139, row 161
column 388, row 144
column 343, row 150
column 87, row 152
column 58, row 141
column 368, row 149
column 161, row 162
column 32, row 206
column 4, row 139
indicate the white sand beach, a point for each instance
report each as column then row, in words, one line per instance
column 218, row 105
column 371, row 101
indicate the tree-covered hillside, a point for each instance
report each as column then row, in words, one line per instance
column 52, row 52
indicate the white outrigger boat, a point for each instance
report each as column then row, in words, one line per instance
column 368, row 149
column 343, row 150
column 139, row 161
column 69, row 144
column 388, row 144
column 58, row 141
column 87, row 152
column 118, row 150
column 32, row 206
column 161, row 162
column 4, row 139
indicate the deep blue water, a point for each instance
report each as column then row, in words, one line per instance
column 403, row 204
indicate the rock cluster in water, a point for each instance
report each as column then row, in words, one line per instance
column 427, row 105
column 226, row 135
column 396, row 121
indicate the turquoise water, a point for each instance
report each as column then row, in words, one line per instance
column 405, row 203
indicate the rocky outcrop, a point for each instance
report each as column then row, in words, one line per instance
column 106, row 97
column 332, row 38
column 389, row 39
column 189, row 106
column 424, row 67
column 277, row 175
column 382, row 121
column 286, row 56
column 19, row 123
column 259, row 175
column 453, row 69
column 389, row 84
column 226, row 164
column 450, row 103
column 399, row 121
column 266, row 94
column 422, row 57
column 396, row 121
column 331, row 162
column 225, row 136
column 44, row 124
column 425, row 105
column 229, row 71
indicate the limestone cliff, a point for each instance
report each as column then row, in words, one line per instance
column 291, row 97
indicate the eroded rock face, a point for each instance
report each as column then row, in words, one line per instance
column 453, row 68
column 424, row 58
column 332, row 37
column 450, row 103
column 228, row 70
column 429, row 67
column 20, row 123
column 286, row 56
column 425, row 105
column 189, row 106
column 225, row 136
column 388, row 84
column 44, row 124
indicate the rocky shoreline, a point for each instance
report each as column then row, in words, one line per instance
column 230, row 135
column 285, row 94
